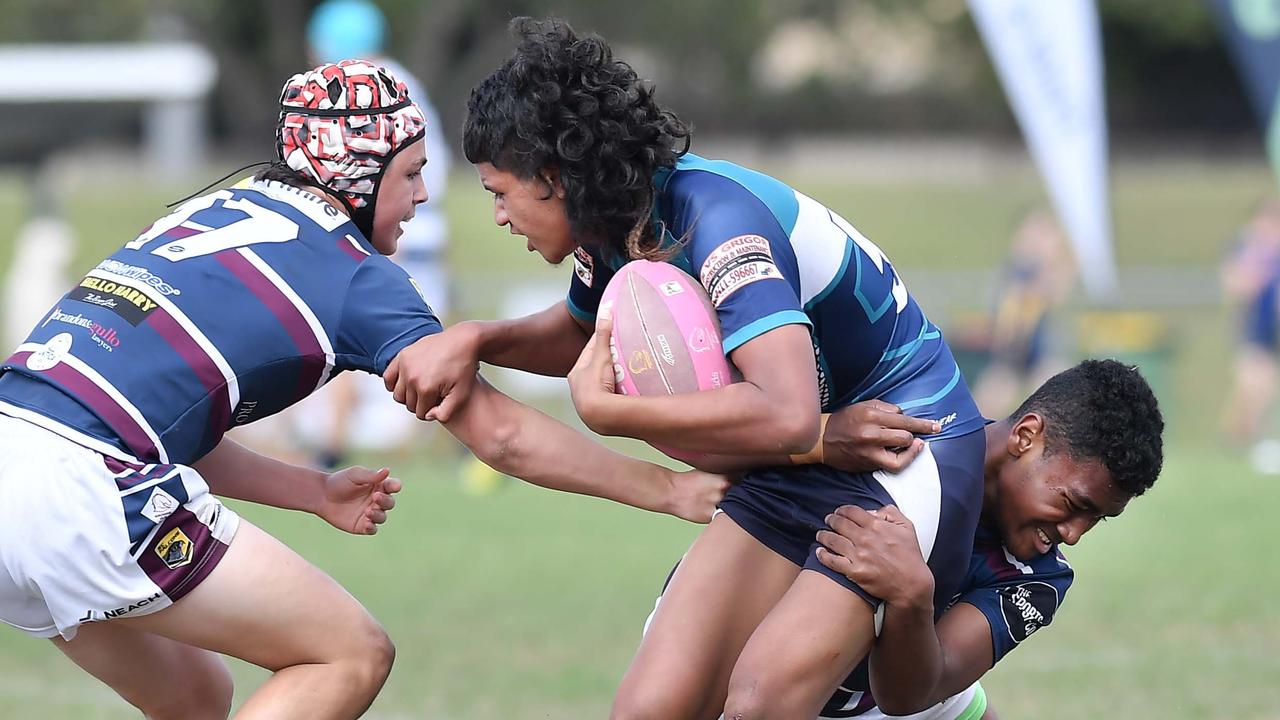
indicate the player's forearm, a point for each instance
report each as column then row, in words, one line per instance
column 546, row 343
column 907, row 660
column 737, row 420
column 234, row 471
column 517, row 440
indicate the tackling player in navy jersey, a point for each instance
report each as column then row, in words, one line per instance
column 238, row 304
column 583, row 162
column 1073, row 454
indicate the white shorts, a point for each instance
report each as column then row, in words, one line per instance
column 968, row 704
column 85, row 537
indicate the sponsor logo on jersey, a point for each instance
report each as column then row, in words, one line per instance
column 583, row 266
column 159, row 506
column 142, row 275
column 132, row 304
column 244, row 411
column 105, row 337
column 947, row 420
column 51, row 354
column 1027, row 608
column 96, row 615
column 174, row 549
column 735, row 264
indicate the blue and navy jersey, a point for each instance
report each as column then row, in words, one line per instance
column 1017, row 599
column 769, row 256
column 237, row 305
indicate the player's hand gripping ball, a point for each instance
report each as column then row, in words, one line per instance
column 666, row 336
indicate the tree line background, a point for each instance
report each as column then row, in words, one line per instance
column 753, row 67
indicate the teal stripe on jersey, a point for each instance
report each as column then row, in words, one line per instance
column 763, row 325
column 578, row 312
column 780, row 199
column 844, row 267
column 955, row 378
column 889, row 376
column 911, row 347
column 872, row 314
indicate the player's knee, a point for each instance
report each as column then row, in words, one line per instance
column 754, row 697
column 203, row 696
column 370, row 660
column 651, row 704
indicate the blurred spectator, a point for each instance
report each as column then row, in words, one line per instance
column 1251, row 284
column 354, row 410
column 1036, row 280
column 42, row 251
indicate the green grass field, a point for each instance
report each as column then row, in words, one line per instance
column 528, row 604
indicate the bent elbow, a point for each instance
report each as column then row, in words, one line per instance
column 797, row 431
column 498, row 446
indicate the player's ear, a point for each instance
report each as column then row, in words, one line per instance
column 1025, row 434
column 551, row 176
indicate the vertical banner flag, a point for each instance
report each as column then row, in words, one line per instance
column 1048, row 55
column 1251, row 29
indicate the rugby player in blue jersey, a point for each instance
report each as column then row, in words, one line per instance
column 582, row 161
column 237, row 305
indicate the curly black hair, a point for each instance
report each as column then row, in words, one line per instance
column 562, row 101
column 1103, row 409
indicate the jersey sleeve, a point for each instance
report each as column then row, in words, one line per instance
column 1017, row 607
column 384, row 312
column 742, row 257
column 590, row 276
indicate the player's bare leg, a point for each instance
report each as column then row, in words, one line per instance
column 723, row 587
column 164, row 679
column 812, row 639
column 1251, row 396
column 266, row 605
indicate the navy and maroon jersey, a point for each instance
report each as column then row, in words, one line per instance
column 770, row 256
column 235, row 306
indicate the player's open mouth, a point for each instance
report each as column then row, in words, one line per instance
column 1044, row 544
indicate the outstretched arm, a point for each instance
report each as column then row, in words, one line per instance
column 516, row 439
column 435, row 374
column 355, row 500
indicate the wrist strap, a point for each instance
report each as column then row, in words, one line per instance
column 815, row 455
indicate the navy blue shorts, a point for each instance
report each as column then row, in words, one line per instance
column 940, row 492
column 1260, row 321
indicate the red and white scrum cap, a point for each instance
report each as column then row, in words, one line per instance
column 341, row 124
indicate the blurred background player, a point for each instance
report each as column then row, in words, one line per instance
column 355, row 411
column 1251, row 285
column 1037, row 278
column 41, row 253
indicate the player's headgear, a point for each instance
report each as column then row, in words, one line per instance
column 346, row 29
column 341, row 124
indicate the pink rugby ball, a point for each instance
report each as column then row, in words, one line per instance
column 666, row 336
